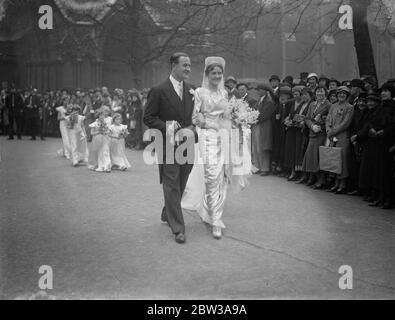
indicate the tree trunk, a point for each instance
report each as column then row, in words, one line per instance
column 362, row 40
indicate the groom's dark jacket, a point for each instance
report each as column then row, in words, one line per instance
column 164, row 104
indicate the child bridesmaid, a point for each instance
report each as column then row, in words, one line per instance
column 118, row 133
column 63, row 111
column 99, row 154
column 77, row 136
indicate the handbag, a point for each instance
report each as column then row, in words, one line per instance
column 330, row 159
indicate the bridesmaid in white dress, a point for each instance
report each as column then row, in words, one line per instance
column 118, row 132
column 211, row 114
column 77, row 136
column 62, row 111
column 99, row 153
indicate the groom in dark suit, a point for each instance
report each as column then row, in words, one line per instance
column 172, row 103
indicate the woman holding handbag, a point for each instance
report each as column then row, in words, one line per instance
column 315, row 122
column 338, row 123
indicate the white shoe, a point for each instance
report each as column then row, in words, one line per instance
column 217, row 233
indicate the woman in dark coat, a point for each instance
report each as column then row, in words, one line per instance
column 360, row 115
column 262, row 137
column 371, row 171
column 296, row 137
column 315, row 122
column 134, row 115
column 387, row 134
column 282, row 111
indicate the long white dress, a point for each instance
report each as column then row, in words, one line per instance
column 65, row 151
column 99, row 152
column 117, row 147
column 78, row 142
column 207, row 184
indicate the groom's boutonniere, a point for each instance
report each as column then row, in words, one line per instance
column 192, row 92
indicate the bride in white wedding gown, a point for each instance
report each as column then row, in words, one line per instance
column 208, row 182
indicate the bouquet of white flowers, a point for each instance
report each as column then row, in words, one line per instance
column 124, row 133
column 103, row 128
column 241, row 114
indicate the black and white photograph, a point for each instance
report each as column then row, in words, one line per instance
column 210, row 151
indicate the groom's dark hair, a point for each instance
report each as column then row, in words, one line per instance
column 175, row 57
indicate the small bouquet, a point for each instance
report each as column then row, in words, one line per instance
column 124, row 133
column 72, row 120
column 102, row 127
column 241, row 114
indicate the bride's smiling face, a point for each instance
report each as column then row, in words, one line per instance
column 215, row 76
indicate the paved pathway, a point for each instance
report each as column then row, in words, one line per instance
column 101, row 234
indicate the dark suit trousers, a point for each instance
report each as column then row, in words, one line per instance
column 17, row 120
column 33, row 126
column 174, row 180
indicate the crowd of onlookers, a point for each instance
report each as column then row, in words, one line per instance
column 297, row 118
column 327, row 134
column 35, row 114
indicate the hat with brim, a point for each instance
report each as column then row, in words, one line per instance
column 358, row 83
column 288, row 79
column 344, row 89
column 285, row 90
column 312, row 75
column 334, row 80
column 230, row 79
column 322, row 77
column 346, row 83
column 263, row 86
column 390, row 87
column 298, row 88
column 242, row 84
column 274, row 77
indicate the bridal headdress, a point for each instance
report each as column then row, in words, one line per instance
column 214, row 60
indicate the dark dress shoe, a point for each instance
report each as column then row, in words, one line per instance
column 333, row 189
column 301, row 180
column 353, row 193
column 19, row 138
column 375, row 204
column 258, row 172
column 310, row 183
column 341, row 191
column 318, row 186
column 10, row 138
column 180, row 238
column 264, row 174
